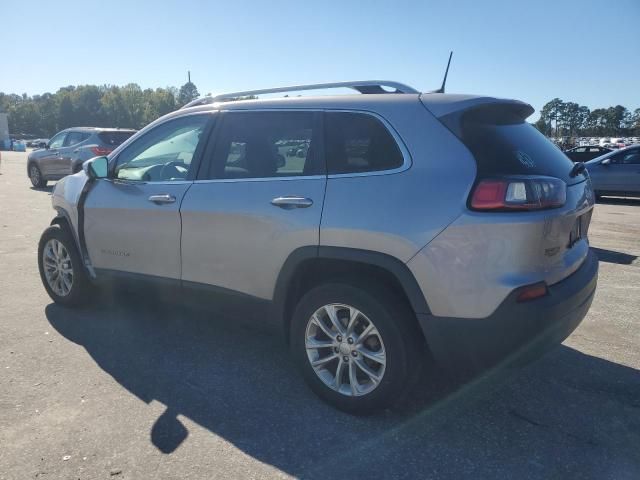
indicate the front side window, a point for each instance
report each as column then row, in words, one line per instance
column 164, row 153
column 358, row 142
column 58, row 140
column 631, row 158
column 264, row 145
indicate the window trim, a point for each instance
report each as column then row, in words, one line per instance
column 407, row 160
column 196, row 161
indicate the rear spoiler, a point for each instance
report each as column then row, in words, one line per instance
column 451, row 109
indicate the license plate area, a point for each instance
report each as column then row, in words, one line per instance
column 579, row 229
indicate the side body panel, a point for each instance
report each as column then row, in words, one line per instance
column 234, row 238
column 126, row 231
column 471, row 267
column 398, row 213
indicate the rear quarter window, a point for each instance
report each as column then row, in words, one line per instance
column 359, row 142
column 114, row 138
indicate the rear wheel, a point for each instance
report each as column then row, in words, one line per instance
column 356, row 347
column 37, row 180
column 61, row 270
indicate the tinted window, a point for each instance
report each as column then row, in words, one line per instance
column 357, row 142
column 164, row 153
column 504, row 145
column 265, row 144
column 632, row 157
column 73, row 138
column 580, row 149
column 58, row 140
column 114, row 138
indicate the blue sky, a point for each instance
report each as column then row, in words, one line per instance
column 587, row 51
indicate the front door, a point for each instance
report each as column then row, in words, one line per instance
column 258, row 197
column 49, row 162
column 132, row 218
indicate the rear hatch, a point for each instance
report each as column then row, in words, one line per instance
column 521, row 242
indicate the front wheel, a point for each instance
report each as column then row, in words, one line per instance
column 358, row 348
column 37, row 180
column 61, row 270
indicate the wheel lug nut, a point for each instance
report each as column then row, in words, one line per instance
column 345, row 358
column 335, row 349
column 354, row 353
column 339, row 338
column 350, row 341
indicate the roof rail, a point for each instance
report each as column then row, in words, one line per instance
column 362, row 86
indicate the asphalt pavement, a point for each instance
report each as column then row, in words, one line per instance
column 135, row 388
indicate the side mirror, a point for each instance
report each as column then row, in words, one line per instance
column 97, row 167
column 605, row 162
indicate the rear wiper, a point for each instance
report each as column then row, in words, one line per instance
column 577, row 169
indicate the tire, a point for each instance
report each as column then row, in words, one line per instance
column 35, row 175
column 71, row 290
column 396, row 340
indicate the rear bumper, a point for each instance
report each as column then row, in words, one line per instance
column 515, row 332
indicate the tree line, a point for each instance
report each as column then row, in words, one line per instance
column 128, row 106
column 568, row 119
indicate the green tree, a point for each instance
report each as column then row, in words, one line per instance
column 188, row 92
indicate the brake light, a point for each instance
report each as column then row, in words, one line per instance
column 101, row 151
column 519, row 193
column 532, row 292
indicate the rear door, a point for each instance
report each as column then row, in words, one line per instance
column 71, row 143
column 132, row 218
column 630, row 171
column 258, row 197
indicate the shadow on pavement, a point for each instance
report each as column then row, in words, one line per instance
column 47, row 189
column 611, row 256
column 567, row 415
column 619, row 200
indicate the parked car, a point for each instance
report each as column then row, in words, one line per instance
column 38, row 143
column 585, row 153
column 66, row 151
column 418, row 227
column 617, row 173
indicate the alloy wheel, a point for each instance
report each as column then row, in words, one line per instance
column 345, row 349
column 58, row 269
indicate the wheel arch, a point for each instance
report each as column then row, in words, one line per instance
column 63, row 220
column 307, row 267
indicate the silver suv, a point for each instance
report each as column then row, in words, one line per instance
column 379, row 230
column 68, row 149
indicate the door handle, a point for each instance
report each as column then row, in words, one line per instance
column 292, row 202
column 161, row 199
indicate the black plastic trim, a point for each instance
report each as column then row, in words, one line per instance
column 515, row 330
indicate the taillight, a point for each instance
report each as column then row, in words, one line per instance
column 101, row 151
column 519, row 193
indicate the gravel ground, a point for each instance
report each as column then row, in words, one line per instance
column 139, row 390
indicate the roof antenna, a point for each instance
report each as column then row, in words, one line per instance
column 444, row 80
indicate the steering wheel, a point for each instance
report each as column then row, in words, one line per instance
column 174, row 164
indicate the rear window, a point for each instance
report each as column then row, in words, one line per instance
column 114, row 138
column 358, row 142
column 505, row 145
